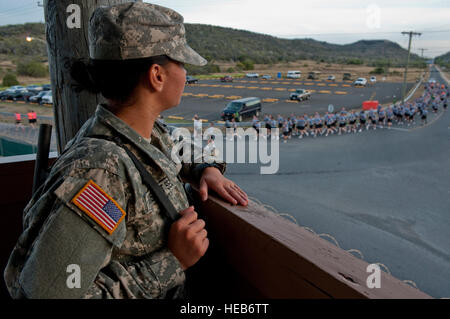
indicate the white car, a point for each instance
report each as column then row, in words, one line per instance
column 294, row 74
column 373, row 79
column 47, row 98
column 360, row 82
column 331, row 78
column 252, row 75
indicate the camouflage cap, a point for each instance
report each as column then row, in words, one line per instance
column 136, row 30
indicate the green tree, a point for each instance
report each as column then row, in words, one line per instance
column 33, row 69
column 10, row 80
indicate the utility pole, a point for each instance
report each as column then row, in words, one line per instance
column 66, row 28
column 422, row 51
column 411, row 34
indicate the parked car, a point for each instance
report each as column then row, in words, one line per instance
column 294, row 74
column 21, row 95
column 266, row 77
column 300, row 95
column 241, row 108
column 17, row 87
column 252, row 75
column 46, row 87
column 34, row 88
column 13, row 94
column 47, row 98
column 360, row 82
column 373, row 79
column 331, row 78
column 5, row 93
column 314, row 75
column 191, row 80
column 347, row 77
column 38, row 97
column 226, row 78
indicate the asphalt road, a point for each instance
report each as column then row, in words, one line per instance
column 209, row 97
column 384, row 192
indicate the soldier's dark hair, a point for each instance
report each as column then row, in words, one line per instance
column 115, row 80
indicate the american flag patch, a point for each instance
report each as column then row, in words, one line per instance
column 98, row 205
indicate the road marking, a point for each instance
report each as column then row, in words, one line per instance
column 253, row 87
column 372, row 96
column 175, row 117
column 321, row 84
column 216, row 96
column 233, row 97
column 332, row 85
column 270, row 100
column 266, row 88
column 340, row 92
column 346, row 85
column 280, row 89
column 200, row 95
column 291, row 101
column 324, row 92
column 399, row 129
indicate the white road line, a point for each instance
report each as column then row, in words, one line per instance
column 399, row 129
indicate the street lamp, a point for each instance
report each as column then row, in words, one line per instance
column 29, row 39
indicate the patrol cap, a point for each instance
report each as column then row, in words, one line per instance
column 135, row 30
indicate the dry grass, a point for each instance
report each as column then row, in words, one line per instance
column 327, row 69
column 25, row 108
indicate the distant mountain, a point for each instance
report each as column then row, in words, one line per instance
column 443, row 59
column 226, row 44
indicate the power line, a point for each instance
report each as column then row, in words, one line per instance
column 411, row 34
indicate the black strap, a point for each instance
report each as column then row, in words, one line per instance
column 147, row 179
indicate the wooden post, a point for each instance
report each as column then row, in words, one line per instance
column 67, row 43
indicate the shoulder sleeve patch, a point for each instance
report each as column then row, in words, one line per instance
column 99, row 206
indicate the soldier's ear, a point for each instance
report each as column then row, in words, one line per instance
column 156, row 77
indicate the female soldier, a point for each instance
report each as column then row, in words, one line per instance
column 98, row 210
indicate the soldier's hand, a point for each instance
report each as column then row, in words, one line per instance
column 187, row 238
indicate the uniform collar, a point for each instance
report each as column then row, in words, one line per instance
column 115, row 124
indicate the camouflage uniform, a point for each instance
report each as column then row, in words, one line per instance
column 133, row 261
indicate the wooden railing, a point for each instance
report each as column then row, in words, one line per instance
column 253, row 252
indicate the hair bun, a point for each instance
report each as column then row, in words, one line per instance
column 82, row 74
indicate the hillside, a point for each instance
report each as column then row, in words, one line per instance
column 224, row 44
column 443, row 59
column 231, row 45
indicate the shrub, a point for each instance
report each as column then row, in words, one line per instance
column 355, row 61
column 246, row 65
column 230, row 70
column 33, row 69
column 207, row 69
column 378, row 70
column 10, row 80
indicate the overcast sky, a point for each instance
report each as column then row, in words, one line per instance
column 343, row 21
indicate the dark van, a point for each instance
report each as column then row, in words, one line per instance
column 242, row 108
